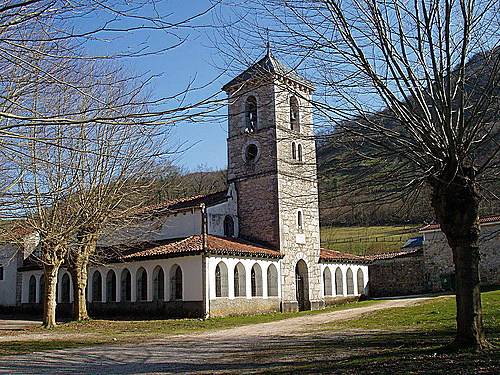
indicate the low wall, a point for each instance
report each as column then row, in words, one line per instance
column 340, row 300
column 243, row 306
column 397, row 276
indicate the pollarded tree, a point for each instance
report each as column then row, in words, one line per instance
column 418, row 83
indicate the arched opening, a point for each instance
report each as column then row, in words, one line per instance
column 272, row 281
column 111, row 286
column 142, row 284
column 228, row 226
column 299, row 152
column 294, row 151
column 339, row 284
column 251, row 152
column 302, row 285
column 126, row 286
column 96, row 287
column 221, row 285
column 361, row 281
column 299, row 219
column 158, row 284
column 350, row 282
column 240, row 289
column 42, row 289
column 327, row 282
column 256, row 278
column 32, row 289
column 294, row 114
column 65, row 288
column 251, row 114
column 176, row 283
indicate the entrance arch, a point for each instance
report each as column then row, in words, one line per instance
column 302, row 285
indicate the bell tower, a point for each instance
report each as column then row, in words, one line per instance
column 272, row 163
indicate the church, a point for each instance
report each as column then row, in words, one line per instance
column 254, row 248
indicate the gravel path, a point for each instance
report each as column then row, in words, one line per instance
column 247, row 349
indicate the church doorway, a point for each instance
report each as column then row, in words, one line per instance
column 302, row 285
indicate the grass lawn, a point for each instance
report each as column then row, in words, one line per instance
column 367, row 240
column 95, row 332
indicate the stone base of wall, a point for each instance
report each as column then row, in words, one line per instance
column 317, row 305
column 159, row 309
column 289, row 306
column 340, row 300
column 243, row 306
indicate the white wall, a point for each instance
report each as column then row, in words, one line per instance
column 248, row 263
column 343, row 267
column 217, row 213
column 192, row 288
column 8, row 259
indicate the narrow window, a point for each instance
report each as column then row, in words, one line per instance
column 126, row 286
column 251, row 114
column 294, row 114
column 272, row 281
column 299, row 219
column 350, row 282
column 111, row 286
column 158, row 284
column 361, row 281
column 256, row 280
column 327, row 282
column 218, row 282
column 32, row 290
column 142, row 285
column 299, row 152
column 339, row 287
column 1, row 272
column 176, row 283
column 65, row 289
column 239, row 281
column 228, row 226
column 294, row 151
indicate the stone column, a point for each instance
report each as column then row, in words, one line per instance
column 118, row 274
column 150, row 284
column 133, row 286
column 104, row 295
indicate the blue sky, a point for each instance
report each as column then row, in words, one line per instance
column 196, row 61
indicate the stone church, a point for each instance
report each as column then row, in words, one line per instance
column 254, row 248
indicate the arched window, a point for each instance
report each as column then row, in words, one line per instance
column 299, row 152
column 221, row 287
column 126, row 286
column 294, row 114
column 32, row 290
column 251, row 114
column 299, row 219
column 294, row 151
column 327, row 282
column 42, row 289
column 158, row 284
column 65, row 288
column 256, row 277
column 350, row 282
column 272, row 281
column 339, row 284
column 361, row 281
column 228, row 226
column 111, row 286
column 96, row 287
column 240, row 289
column 176, row 283
column 142, row 284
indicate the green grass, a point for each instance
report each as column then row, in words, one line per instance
column 94, row 332
column 367, row 240
column 437, row 315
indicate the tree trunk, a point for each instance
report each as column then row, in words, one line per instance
column 456, row 205
column 78, row 270
column 50, row 302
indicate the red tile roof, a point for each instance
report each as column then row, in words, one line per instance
column 329, row 256
column 482, row 220
column 193, row 245
column 188, row 202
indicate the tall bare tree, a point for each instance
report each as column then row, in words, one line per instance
column 418, row 83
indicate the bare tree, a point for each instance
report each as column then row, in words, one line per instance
column 417, row 82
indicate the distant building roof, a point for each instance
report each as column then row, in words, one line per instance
column 264, row 67
column 487, row 220
column 400, row 254
column 332, row 256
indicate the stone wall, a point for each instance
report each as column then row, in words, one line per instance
column 397, row 276
column 439, row 267
column 243, row 306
